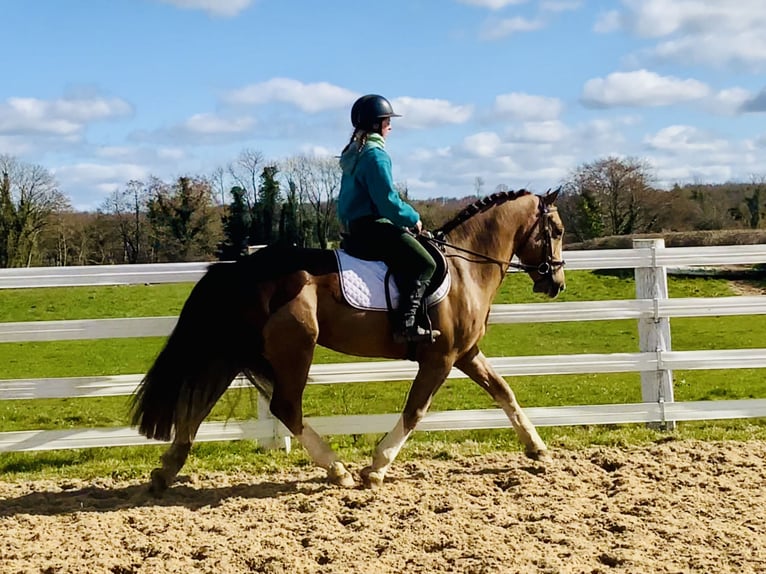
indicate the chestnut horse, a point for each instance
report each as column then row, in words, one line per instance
column 264, row 315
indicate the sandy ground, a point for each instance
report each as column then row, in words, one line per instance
column 672, row 507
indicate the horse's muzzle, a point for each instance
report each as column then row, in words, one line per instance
column 549, row 286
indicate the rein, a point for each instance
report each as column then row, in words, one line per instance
column 545, row 268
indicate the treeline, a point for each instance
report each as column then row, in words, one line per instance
column 254, row 202
column 613, row 197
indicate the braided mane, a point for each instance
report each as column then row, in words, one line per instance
column 480, row 206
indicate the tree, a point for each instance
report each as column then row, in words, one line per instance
column 246, row 172
column 291, row 230
column 128, row 208
column 184, row 223
column 265, row 224
column 316, row 181
column 324, row 196
column 28, row 197
column 753, row 202
column 236, row 227
column 478, row 186
column 614, row 190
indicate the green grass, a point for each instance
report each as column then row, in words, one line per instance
column 129, row 356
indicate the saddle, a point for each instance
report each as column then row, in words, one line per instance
column 369, row 285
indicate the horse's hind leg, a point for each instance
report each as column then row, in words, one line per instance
column 431, row 375
column 290, row 337
column 475, row 365
column 175, row 456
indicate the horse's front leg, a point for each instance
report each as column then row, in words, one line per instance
column 431, row 375
column 475, row 365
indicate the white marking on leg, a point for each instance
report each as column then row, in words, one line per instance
column 524, row 428
column 389, row 447
column 319, row 451
column 325, row 457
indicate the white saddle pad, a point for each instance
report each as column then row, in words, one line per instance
column 362, row 284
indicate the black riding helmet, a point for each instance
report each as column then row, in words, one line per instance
column 368, row 110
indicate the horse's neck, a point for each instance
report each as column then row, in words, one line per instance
column 493, row 234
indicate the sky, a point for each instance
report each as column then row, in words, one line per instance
column 503, row 92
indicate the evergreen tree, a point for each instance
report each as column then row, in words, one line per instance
column 289, row 221
column 6, row 219
column 265, row 224
column 236, row 227
column 183, row 221
column 754, row 208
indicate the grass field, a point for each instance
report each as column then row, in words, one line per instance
column 128, row 356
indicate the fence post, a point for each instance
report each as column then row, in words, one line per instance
column 280, row 436
column 654, row 332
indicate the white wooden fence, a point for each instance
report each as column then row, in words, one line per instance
column 655, row 359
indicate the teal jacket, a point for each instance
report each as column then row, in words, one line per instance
column 367, row 187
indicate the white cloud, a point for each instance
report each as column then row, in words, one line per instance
column 492, row 4
column 201, row 129
column 527, row 107
column 89, row 173
column 310, row 98
column 551, row 131
column 697, row 31
column 496, row 29
column 680, row 139
column 60, row 117
column 16, row 146
column 483, row 144
column 729, row 101
column 170, row 153
column 560, row 5
column 98, row 179
column 212, row 124
column 214, row 7
column 641, row 88
column 139, row 154
column 607, row 22
column 424, row 112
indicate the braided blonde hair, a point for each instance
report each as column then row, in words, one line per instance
column 359, row 137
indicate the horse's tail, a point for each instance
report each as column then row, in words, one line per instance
column 212, row 341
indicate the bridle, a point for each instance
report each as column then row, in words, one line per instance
column 546, row 268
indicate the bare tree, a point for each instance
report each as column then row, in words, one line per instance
column 478, row 186
column 296, row 225
column 615, row 195
column 317, row 179
column 218, row 184
column 246, row 172
column 28, row 197
column 128, row 208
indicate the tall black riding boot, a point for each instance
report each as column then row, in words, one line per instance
column 408, row 330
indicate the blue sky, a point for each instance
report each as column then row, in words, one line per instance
column 515, row 92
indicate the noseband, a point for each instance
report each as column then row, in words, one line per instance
column 546, row 268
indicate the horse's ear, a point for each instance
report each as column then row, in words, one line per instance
column 550, row 197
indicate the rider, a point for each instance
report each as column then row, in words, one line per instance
column 376, row 217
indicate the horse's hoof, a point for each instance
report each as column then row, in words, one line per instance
column 159, row 483
column 541, row 455
column 372, row 479
column 339, row 476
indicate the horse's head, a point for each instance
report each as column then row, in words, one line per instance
column 540, row 251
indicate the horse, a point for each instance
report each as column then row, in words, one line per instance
column 264, row 314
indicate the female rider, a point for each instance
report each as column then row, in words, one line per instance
column 377, row 219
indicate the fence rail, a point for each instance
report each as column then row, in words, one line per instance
column 655, row 360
